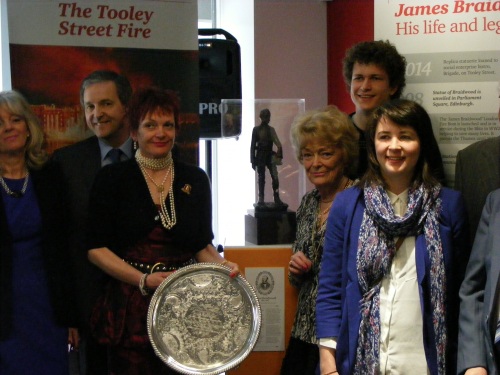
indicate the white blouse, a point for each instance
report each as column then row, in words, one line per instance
column 401, row 326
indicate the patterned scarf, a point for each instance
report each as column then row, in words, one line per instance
column 376, row 249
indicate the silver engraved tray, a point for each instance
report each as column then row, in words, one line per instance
column 201, row 321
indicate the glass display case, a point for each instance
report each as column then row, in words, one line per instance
column 279, row 181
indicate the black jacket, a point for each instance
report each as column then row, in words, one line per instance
column 50, row 192
column 121, row 211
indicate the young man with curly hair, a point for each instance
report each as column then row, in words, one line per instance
column 374, row 72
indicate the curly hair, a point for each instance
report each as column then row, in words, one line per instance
column 329, row 125
column 15, row 103
column 381, row 53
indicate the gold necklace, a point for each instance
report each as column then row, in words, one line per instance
column 327, row 209
column 167, row 220
column 322, row 213
column 327, row 201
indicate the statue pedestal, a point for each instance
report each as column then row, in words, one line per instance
column 269, row 225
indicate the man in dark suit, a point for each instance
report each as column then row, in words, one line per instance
column 104, row 97
column 479, row 308
column 477, row 173
column 477, row 176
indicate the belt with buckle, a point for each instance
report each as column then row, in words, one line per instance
column 159, row 266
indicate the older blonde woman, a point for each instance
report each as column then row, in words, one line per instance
column 35, row 271
column 326, row 145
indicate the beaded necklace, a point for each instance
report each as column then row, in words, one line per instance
column 167, row 220
column 15, row 194
column 153, row 163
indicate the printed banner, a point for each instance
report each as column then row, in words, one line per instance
column 453, row 55
column 54, row 45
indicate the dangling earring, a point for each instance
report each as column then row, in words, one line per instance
column 135, row 145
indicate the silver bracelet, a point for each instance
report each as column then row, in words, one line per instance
column 142, row 285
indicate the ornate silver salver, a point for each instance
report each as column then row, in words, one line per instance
column 201, row 321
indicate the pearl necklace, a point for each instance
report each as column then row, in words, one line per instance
column 153, row 163
column 167, row 220
column 15, row 194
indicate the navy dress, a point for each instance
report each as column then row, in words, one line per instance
column 36, row 345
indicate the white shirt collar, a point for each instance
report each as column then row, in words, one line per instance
column 399, row 202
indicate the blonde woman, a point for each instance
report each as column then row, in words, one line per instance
column 325, row 144
column 36, row 296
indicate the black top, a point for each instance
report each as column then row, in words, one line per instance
column 363, row 153
column 122, row 212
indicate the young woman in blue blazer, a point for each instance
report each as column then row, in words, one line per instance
column 394, row 257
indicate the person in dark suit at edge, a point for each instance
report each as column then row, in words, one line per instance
column 477, row 176
column 477, row 173
column 104, row 96
column 479, row 322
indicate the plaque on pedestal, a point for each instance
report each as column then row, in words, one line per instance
column 270, row 227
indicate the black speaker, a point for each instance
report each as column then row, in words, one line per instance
column 220, row 78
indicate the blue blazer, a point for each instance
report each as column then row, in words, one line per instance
column 337, row 310
column 479, row 295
